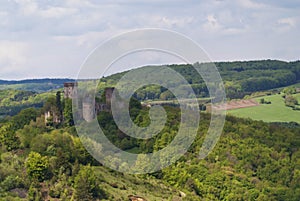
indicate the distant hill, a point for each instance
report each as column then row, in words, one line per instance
column 240, row 78
column 35, row 85
column 13, row 101
column 17, row 95
column 31, row 81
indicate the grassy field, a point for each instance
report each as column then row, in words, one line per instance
column 275, row 112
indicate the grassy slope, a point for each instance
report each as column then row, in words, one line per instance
column 275, row 112
column 119, row 186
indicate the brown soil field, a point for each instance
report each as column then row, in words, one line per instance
column 237, row 104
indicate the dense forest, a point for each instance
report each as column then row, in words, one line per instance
column 253, row 160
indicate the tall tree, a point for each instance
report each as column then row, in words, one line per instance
column 86, row 184
column 59, row 105
column 68, row 114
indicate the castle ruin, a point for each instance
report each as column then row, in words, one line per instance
column 88, row 104
column 89, row 108
column 70, row 89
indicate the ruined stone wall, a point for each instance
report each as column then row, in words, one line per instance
column 70, row 89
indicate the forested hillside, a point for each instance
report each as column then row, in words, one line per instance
column 17, row 95
column 41, row 159
column 13, row 101
column 252, row 161
column 240, row 78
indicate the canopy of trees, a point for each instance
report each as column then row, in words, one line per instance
column 253, row 160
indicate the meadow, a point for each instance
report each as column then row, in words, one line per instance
column 274, row 112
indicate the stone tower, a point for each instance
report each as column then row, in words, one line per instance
column 88, row 111
column 70, row 89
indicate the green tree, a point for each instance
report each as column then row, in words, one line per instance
column 8, row 137
column 37, row 166
column 68, row 115
column 26, row 135
column 289, row 90
column 24, row 118
column 59, row 105
column 86, row 185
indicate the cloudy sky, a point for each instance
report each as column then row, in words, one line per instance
column 52, row 38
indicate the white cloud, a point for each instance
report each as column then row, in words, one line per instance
column 13, row 57
column 3, row 18
column 27, row 7
column 87, row 40
column 176, row 22
column 61, row 34
column 164, row 21
column 79, row 3
column 212, row 24
column 31, row 8
column 57, row 12
column 291, row 22
column 251, row 4
column 234, row 31
column 285, row 25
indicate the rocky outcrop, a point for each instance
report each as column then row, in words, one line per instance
column 136, row 198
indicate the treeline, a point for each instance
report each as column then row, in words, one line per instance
column 260, row 75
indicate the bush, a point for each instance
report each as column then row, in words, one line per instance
column 263, row 101
column 11, row 182
column 34, row 193
column 37, row 166
column 296, row 108
column 290, row 101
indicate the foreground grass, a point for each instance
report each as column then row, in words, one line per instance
column 275, row 112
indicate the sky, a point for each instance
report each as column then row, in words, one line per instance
column 52, row 38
